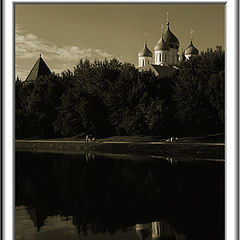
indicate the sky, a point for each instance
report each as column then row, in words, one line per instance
column 64, row 33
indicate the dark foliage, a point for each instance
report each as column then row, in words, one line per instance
column 199, row 94
column 109, row 97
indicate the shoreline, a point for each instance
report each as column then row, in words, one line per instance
column 171, row 149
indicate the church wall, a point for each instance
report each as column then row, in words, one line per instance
column 173, row 56
column 144, row 61
column 161, row 57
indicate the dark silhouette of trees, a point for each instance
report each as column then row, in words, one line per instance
column 109, row 97
column 199, row 93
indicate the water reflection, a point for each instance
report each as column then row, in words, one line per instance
column 142, row 198
column 171, row 160
column 143, row 231
column 89, row 157
column 158, row 230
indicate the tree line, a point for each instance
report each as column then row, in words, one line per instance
column 107, row 98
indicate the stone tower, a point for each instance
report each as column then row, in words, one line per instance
column 39, row 69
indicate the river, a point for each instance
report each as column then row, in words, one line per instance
column 117, row 197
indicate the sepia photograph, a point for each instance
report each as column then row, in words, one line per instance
column 119, row 121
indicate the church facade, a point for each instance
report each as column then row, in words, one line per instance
column 165, row 57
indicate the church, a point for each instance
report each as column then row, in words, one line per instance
column 166, row 56
column 163, row 64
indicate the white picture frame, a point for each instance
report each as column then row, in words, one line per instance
column 231, row 117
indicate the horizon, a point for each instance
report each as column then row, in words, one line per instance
column 100, row 31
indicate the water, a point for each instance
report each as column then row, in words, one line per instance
column 73, row 196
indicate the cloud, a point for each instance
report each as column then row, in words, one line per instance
column 28, row 44
column 22, row 74
column 59, row 58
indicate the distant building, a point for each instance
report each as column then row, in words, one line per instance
column 191, row 51
column 165, row 54
column 39, row 69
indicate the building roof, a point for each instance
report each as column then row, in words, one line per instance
column 145, row 52
column 40, row 68
column 161, row 45
column 163, row 71
column 158, row 70
column 170, row 38
column 191, row 50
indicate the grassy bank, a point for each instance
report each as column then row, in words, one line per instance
column 185, row 147
column 211, row 138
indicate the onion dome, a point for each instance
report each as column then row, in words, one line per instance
column 161, row 45
column 170, row 38
column 145, row 52
column 191, row 50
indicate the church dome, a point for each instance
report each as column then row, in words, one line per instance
column 145, row 52
column 161, row 45
column 170, row 38
column 191, row 50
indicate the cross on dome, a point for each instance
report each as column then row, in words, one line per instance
column 162, row 27
column 191, row 34
column 145, row 36
column 167, row 20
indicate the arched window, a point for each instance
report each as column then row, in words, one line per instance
column 160, row 57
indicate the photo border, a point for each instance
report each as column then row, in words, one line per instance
column 231, row 109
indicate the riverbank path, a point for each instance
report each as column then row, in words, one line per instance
column 124, row 142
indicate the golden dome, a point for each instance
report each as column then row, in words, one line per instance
column 170, row 38
column 161, row 45
column 191, row 50
column 145, row 52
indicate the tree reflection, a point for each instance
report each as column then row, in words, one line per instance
column 158, row 230
column 107, row 194
column 143, row 231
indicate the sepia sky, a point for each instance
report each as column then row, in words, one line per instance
column 65, row 33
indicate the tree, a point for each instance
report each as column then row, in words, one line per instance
column 199, row 93
column 109, row 97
